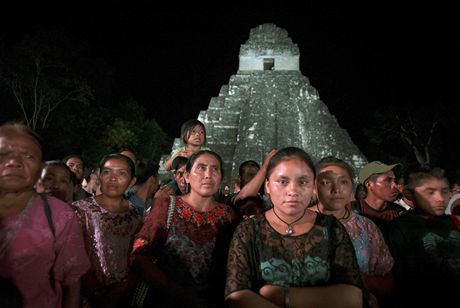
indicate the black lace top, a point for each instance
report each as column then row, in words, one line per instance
column 260, row 255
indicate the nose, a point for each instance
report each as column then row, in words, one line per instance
column 292, row 189
column 14, row 160
column 207, row 173
column 335, row 188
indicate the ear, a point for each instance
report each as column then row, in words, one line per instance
column 267, row 190
column 186, row 177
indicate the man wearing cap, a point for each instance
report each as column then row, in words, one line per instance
column 379, row 181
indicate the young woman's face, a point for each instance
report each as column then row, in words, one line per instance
column 334, row 187
column 56, row 181
column 20, row 162
column 291, row 186
column 115, row 177
column 205, row 176
column 196, row 136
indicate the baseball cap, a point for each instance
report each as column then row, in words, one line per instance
column 374, row 168
column 178, row 160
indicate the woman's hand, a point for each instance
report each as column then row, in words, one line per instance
column 274, row 294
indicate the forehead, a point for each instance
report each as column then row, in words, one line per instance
column 116, row 163
column 432, row 183
column 74, row 160
column 292, row 167
column 206, row 159
column 20, row 140
column 333, row 170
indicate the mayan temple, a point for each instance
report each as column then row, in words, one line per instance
column 269, row 104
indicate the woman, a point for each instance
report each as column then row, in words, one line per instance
column 191, row 253
column 109, row 223
column 334, row 185
column 41, row 244
column 289, row 255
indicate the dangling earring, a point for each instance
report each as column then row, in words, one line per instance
column 187, row 188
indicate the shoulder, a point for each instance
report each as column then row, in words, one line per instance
column 59, row 209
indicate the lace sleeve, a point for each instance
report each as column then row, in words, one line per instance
column 242, row 264
column 344, row 265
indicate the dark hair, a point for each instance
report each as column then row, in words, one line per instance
column 122, row 157
column 193, row 158
column 145, row 169
column 178, row 161
column 187, row 129
column 334, row 161
column 290, row 153
column 415, row 177
column 60, row 163
column 65, row 159
column 247, row 164
column 21, row 128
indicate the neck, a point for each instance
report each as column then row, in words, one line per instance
column 200, row 203
column 193, row 148
column 340, row 214
column 374, row 202
column 114, row 205
column 12, row 203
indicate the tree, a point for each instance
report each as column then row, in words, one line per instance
column 413, row 128
column 36, row 74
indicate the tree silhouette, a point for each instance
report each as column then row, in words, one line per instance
column 36, row 74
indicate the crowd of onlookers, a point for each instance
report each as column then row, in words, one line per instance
column 292, row 233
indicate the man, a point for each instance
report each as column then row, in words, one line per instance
column 146, row 185
column 378, row 205
column 178, row 166
column 425, row 244
column 75, row 163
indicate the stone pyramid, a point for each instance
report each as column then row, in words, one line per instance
column 270, row 104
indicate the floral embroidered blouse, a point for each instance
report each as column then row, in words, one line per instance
column 372, row 252
column 260, row 255
column 193, row 251
column 108, row 238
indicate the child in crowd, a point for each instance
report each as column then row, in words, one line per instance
column 426, row 244
column 193, row 134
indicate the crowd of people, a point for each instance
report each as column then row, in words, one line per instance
column 295, row 232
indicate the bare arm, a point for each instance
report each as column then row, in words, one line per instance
column 71, row 297
column 168, row 163
column 253, row 186
column 247, row 298
column 338, row 295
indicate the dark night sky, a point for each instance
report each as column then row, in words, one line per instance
column 174, row 59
